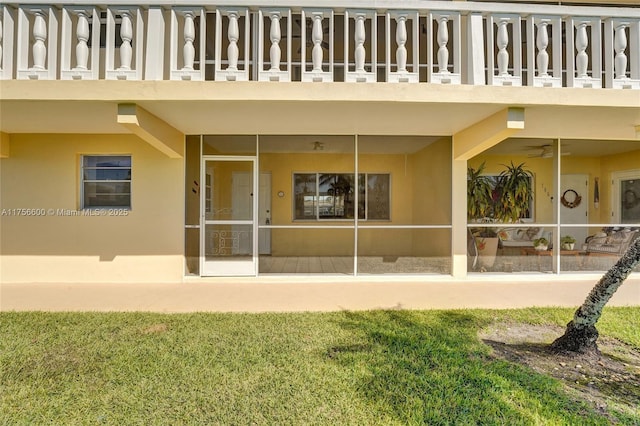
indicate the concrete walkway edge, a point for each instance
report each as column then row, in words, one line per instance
column 302, row 294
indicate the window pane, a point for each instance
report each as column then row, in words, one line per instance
column 404, row 251
column 103, row 194
column 224, row 241
column 229, row 145
column 335, row 200
column 310, row 251
column 418, row 169
column 378, row 197
column 108, row 200
column 107, row 161
column 107, row 187
column 106, row 181
column 362, row 195
column 305, row 194
column 107, row 174
column 326, row 197
column 495, row 182
column 630, row 198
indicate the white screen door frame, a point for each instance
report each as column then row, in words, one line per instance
column 240, row 257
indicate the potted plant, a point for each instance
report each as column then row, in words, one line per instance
column 480, row 210
column 512, row 194
column 541, row 243
column 567, row 242
column 479, row 194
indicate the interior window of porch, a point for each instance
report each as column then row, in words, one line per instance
column 305, row 196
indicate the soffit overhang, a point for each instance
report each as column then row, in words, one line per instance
column 315, row 108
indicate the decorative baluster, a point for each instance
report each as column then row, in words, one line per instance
column 275, row 36
column 126, row 33
column 443, row 39
column 542, row 41
column 82, row 33
column 316, row 37
column 360, row 38
column 502, row 41
column 620, row 44
column 40, row 35
column 188, row 52
column 582, row 41
column 401, row 40
column 233, row 36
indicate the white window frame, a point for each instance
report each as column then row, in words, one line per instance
column 616, row 182
column 317, row 217
column 83, row 180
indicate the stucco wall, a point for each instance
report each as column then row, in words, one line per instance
column 431, row 195
column 43, row 172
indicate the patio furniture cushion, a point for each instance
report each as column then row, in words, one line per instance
column 612, row 241
column 519, row 237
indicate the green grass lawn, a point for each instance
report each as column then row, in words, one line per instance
column 365, row 368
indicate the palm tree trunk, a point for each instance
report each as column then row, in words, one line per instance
column 581, row 334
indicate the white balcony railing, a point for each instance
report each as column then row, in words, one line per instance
column 402, row 41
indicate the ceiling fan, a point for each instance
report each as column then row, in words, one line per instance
column 544, row 151
column 318, row 146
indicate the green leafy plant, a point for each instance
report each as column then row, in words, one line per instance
column 505, row 199
column 567, row 242
column 479, row 200
column 540, row 242
column 512, row 193
column 479, row 194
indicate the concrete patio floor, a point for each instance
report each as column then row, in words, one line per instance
column 310, row 293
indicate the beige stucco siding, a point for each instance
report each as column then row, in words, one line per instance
column 43, row 172
column 431, row 198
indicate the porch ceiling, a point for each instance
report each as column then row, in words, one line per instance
column 322, row 109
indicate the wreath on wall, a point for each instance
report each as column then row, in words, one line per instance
column 571, row 204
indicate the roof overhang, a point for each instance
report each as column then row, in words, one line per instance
column 315, row 108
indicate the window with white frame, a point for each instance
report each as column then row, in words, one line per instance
column 626, row 196
column 327, row 196
column 106, row 181
column 630, row 201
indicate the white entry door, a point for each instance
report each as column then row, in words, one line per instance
column 571, row 210
column 228, row 213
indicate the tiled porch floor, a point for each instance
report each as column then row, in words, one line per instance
column 425, row 265
column 344, row 265
column 568, row 263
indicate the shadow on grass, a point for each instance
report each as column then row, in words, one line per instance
column 608, row 379
column 431, row 368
